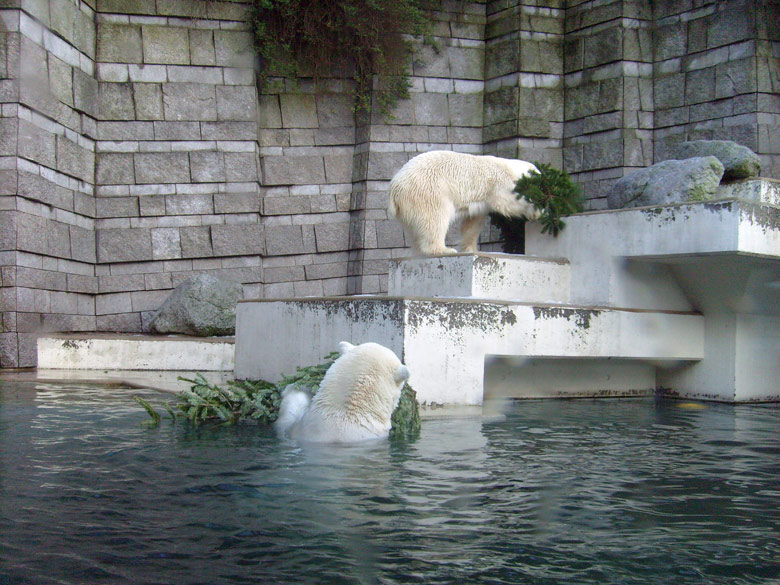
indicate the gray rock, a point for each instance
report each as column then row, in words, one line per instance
column 202, row 306
column 739, row 161
column 671, row 181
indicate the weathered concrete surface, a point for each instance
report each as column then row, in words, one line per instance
column 671, row 181
column 481, row 275
column 444, row 342
column 721, row 258
column 141, row 352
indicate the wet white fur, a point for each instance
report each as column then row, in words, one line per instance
column 355, row 400
column 435, row 188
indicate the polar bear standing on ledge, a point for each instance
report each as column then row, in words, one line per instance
column 434, row 188
column 355, row 400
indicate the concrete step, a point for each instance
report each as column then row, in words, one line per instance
column 482, row 276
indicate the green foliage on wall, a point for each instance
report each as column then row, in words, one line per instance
column 363, row 39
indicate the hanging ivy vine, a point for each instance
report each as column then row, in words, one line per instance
column 366, row 40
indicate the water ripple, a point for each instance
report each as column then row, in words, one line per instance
column 557, row 492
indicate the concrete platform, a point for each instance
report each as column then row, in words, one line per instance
column 683, row 298
column 445, row 342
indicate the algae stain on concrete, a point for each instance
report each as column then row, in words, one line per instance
column 459, row 316
column 580, row 317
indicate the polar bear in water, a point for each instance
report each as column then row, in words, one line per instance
column 355, row 400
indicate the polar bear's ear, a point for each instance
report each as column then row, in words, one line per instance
column 344, row 347
column 401, row 374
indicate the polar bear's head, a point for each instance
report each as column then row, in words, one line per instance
column 364, row 384
column 519, row 168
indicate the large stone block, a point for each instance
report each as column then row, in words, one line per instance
column 298, row 111
column 237, row 240
column 36, row 144
column 269, row 112
column 229, row 131
column 119, row 43
column 124, row 245
column 75, row 160
column 431, row 109
column 196, row 242
column 293, row 170
column 189, row 204
column 334, row 110
column 115, row 101
column 241, row 166
column 189, row 101
column 237, row 103
column 85, row 93
column 234, row 48
column 162, row 167
column 466, row 109
column 148, row 101
column 202, row 47
column 9, row 132
column 116, row 207
column 166, row 244
column 8, row 230
column 338, row 168
column 541, row 57
column 503, row 58
column 332, row 237
column 82, row 244
column 37, row 188
column 115, row 169
column 207, row 167
column 286, row 240
column 467, row 62
column 61, row 80
column 165, row 44
column 31, row 233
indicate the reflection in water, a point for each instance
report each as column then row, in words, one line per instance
column 555, row 492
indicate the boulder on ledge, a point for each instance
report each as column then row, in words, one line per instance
column 202, row 306
column 739, row 162
column 671, row 181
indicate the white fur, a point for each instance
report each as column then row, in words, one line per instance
column 435, row 188
column 355, row 400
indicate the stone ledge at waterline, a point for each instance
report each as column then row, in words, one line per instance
column 95, row 351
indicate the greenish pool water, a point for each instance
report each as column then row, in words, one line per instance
column 575, row 492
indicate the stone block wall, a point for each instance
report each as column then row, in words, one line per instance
column 717, row 75
column 136, row 149
column 47, row 162
column 524, row 106
column 176, row 170
column 608, row 94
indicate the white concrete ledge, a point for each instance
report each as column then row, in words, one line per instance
column 141, row 352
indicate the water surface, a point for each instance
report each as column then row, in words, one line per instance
column 609, row 491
